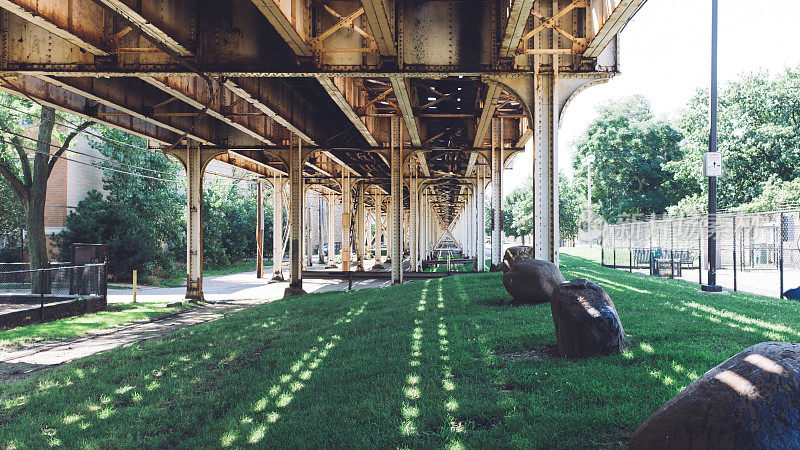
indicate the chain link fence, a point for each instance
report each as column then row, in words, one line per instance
column 47, row 294
column 757, row 252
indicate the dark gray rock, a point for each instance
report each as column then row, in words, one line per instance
column 752, row 400
column 513, row 255
column 532, row 281
column 586, row 321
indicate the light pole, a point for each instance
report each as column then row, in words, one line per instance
column 589, row 161
column 712, row 170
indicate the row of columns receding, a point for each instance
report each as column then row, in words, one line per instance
column 417, row 230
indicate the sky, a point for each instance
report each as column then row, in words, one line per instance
column 665, row 55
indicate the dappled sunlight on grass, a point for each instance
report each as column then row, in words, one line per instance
column 280, row 395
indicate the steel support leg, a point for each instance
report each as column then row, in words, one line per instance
column 277, row 229
column 497, row 195
column 260, row 229
column 347, row 205
column 414, row 223
column 480, row 237
column 396, row 169
column 361, row 237
column 195, row 164
column 331, row 234
column 545, row 170
column 296, row 216
column 378, row 231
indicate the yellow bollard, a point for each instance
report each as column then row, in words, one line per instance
column 134, row 286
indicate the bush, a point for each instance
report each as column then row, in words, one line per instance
column 132, row 244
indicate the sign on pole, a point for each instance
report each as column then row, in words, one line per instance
column 712, row 164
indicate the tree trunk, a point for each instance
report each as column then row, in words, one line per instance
column 37, row 194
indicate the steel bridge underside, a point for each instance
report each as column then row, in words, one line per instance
column 413, row 106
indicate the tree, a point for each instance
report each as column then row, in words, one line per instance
column 631, row 149
column 569, row 208
column 11, row 224
column 759, row 136
column 27, row 178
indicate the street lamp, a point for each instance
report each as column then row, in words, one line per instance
column 589, row 161
column 712, row 164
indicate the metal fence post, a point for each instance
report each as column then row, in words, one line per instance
column 671, row 249
column 602, row 245
column 630, row 249
column 700, row 251
column 41, row 295
column 734, row 254
column 780, row 255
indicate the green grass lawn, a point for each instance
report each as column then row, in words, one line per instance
column 437, row 363
column 114, row 315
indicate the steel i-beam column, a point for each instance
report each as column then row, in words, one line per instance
column 331, row 234
column 309, row 247
column 296, row 216
column 361, row 237
column 396, row 168
column 277, row 228
column 480, row 223
column 414, row 223
column 497, row 195
column 320, row 253
column 347, row 204
column 378, row 231
column 545, row 170
column 195, row 163
column 389, row 228
column 260, row 229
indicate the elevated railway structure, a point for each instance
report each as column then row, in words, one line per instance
column 406, row 108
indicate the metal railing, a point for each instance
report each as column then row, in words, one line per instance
column 757, row 252
column 25, row 289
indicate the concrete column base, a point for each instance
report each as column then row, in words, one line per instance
column 291, row 291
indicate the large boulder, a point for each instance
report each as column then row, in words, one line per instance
column 586, row 321
column 532, row 281
column 752, row 400
column 513, row 255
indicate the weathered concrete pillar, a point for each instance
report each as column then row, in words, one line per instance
column 545, row 170
column 260, row 228
column 378, row 231
column 331, row 232
column 347, row 205
column 497, row 194
column 296, row 217
column 277, row 228
column 480, row 237
column 361, row 236
column 396, row 181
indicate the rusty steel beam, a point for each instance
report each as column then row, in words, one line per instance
column 517, row 18
column 378, row 19
column 487, row 112
column 347, row 108
column 197, row 93
column 146, row 26
column 401, row 91
column 87, row 108
column 58, row 18
column 283, row 25
column 611, row 26
column 283, row 104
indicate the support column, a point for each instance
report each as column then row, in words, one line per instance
column 389, row 228
column 309, row 247
column 545, row 170
column 331, row 234
column 194, row 224
column 347, row 204
column 277, row 228
column 396, row 167
column 414, row 223
column 260, row 229
column 480, row 222
column 497, row 195
column 296, row 217
column 378, row 231
column 320, row 252
column 361, row 236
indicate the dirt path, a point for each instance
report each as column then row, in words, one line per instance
column 21, row 362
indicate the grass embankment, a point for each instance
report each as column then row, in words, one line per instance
column 427, row 364
column 114, row 315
